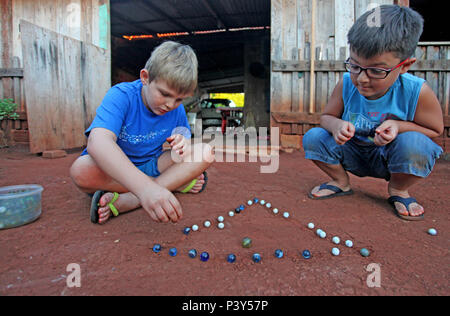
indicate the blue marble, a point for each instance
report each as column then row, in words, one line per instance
column 306, row 254
column 204, row 256
column 241, row 207
column 364, row 252
column 256, row 200
column 157, row 248
column 186, row 230
column 231, row 258
column 173, row 252
column 256, row 257
column 279, row 253
column 192, row 253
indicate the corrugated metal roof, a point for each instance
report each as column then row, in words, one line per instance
column 167, row 16
column 221, row 55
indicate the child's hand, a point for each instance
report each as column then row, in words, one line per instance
column 344, row 132
column 178, row 143
column 386, row 133
column 160, row 204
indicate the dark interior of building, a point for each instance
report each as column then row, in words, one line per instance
column 217, row 30
column 434, row 15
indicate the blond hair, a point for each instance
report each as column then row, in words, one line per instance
column 176, row 64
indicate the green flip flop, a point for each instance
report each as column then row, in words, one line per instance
column 95, row 205
column 193, row 182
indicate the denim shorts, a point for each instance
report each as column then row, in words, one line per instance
column 410, row 153
column 150, row 168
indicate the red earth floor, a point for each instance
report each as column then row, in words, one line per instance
column 117, row 258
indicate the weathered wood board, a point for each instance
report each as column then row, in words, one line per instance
column 64, row 82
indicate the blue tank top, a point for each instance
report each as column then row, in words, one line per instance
column 399, row 103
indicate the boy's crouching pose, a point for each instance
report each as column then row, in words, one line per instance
column 379, row 120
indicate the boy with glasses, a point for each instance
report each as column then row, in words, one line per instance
column 379, row 120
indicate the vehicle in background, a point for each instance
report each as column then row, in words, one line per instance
column 212, row 117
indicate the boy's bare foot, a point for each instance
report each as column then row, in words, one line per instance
column 125, row 203
column 414, row 209
column 128, row 201
column 197, row 187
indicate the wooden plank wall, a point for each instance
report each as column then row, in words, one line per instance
column 78, row 19
column 10, row 81
column 11, row 87
column 10, row 74
column 64, row 83
column 290, row 61
column 433, row 65
column 83, row 20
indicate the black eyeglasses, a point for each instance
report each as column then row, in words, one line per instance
column 371, row 72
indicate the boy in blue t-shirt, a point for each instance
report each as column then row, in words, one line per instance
column 124, row 163
column 379, row 120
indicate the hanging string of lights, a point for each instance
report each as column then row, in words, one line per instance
column 175, row 34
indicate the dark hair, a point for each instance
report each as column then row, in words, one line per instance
column 387, row 28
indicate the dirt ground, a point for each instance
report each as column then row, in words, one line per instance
column 117, row 258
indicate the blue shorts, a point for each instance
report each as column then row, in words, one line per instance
column 150, row 168
column 410, row 153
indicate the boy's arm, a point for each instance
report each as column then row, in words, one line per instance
column 331, row 120
column 428, row 119
column 102, row 147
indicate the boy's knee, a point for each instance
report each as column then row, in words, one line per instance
column 413, row 153
column 79, row 172
column 314, row 137
column 75, row 172
column 208, row 154
column 413, row 144
column 203, row 153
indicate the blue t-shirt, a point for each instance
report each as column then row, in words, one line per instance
column 399, row 103
column 140, row 133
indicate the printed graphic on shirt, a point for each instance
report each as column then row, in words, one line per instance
column 364, row 127
column 138, row 139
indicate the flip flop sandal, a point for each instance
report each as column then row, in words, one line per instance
column 193, row 182
column 95, row 205
column 206, row 181
column 337, row 192
column 406, row 202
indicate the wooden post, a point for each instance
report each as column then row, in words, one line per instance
column 313, row 57
column 16, row 85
